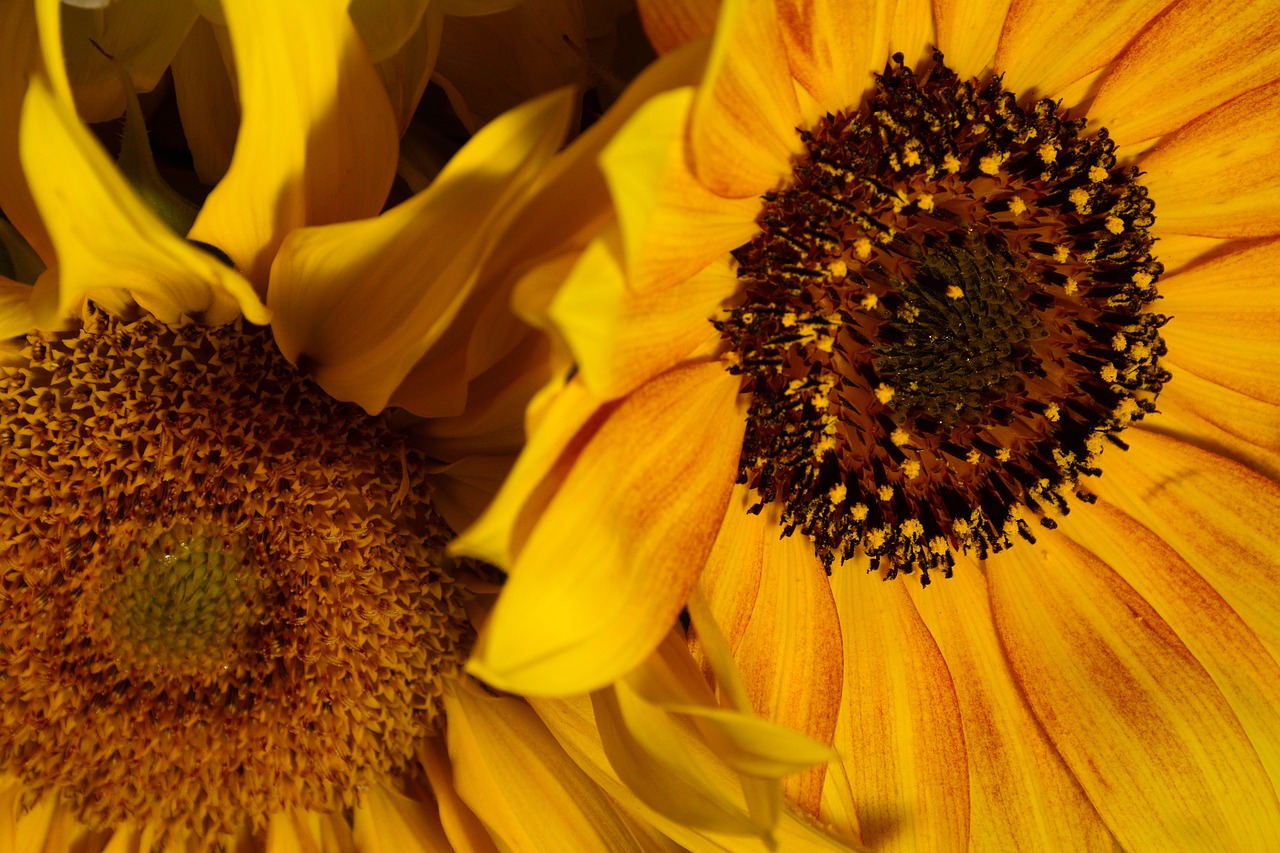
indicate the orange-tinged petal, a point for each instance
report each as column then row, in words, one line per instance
column 515, row 777
column 612, row 558
column 15, row 309
column 1227, row 422
column 834, row 48
column 1226, row 325
column 405, row 73
column 22, row 59
column 1221, row 517
column 465, row 831
column 623, row 337
column 307, row 832
column 1218, row 176
column 1021, row 795
column 386, row 25
column 1131, row 711
column 760, row 588
column 899, row 729
column 1147, row 93
column 1230, row 652
column 968, row 31
column 1085, row 36
column 671, row 23
column 317, row 141
column 1176, row 251
column 207, row 102
column 108, row 243
column 141, row 35
column 742, row 133
column 672, row 225
column 409, row 272
column 387, row 821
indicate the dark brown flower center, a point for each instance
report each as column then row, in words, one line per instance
column 223, row 593
column 943, row 317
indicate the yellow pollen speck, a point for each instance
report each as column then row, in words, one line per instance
column 925, row 202
column 1115, row 224
column 911, row 469
column 1142, row 279
column 1094, row 444
column 909, row 313
column 973, row 457
column 1097, row 174
column 1126, row 410
column 990, row 165
column 820, row 400
column 962, row 528
column 938, row 545
column 1017, row 206
column 1109, row 373
column 1080, row 198
column 1139, row 351
column 789, row 319
column 862, row 248
column 875, row 538
column 1052, row 412
column 1119, row 343
column 837, row 493
column 1003, row 454
column 911, row 528
column 954, row 292
column 1061, row 253
column 1048, row 152
column 748, row 317
column 1070, row 286
column 884, row 393
column 911, row 157
column 826, row 343
column 951, row 163
column 899, row 436
column 869, row 302
column 825, row 445
column 885, row 493
column 859, row 512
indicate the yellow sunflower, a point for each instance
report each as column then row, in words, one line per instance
column 886, row 293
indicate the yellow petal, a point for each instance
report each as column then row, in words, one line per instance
column 612, row 558
column 408, row 273
column 1230, row 652
column 899, row 728
column 405, row 73
column 386, row 25
column 1221, row 517
column 1086, row 36
column 1226, row 325
column 1147, row 94
column 20, row 48
column 968, row 31
column 516, row 778
column 317, row 140
column 1218, row 176
column 1021, row 795
column 1131, row 711
column 465, row 831
column 207, row 101
column 1232, row 424
column 108, row 244
column 141, row 35
column 15, row 309
column 671, row 23
column 742, row 133
column 388, row 822
column 672, row 225
column 760, row 588
column 308, row 832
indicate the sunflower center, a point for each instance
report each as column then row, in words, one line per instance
column 224, row 594
column 944, row 316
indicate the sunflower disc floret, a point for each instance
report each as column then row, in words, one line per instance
column 944, row 317
column 223, row 593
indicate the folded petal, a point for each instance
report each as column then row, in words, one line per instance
column 1021, row 795
column 1148, row 92
column 317, row 141
column 517, row 779
column 671, row 23
column 1086, row 36
column 409, row 272
column 611, row 559
column 742, row 131
column 1226, row 320
column 1217, row 176
column 1221, row 517
column 899, row 729
column 108, row 243
column 1131, row 711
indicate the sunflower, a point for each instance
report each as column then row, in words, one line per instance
column 229, row 621
column 974, row 294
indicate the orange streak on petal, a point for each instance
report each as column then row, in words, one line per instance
column 968, row 31
column 1135, row 716
column 671, row 23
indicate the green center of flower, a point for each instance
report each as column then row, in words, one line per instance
column 223, row 595
column 944, row 317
